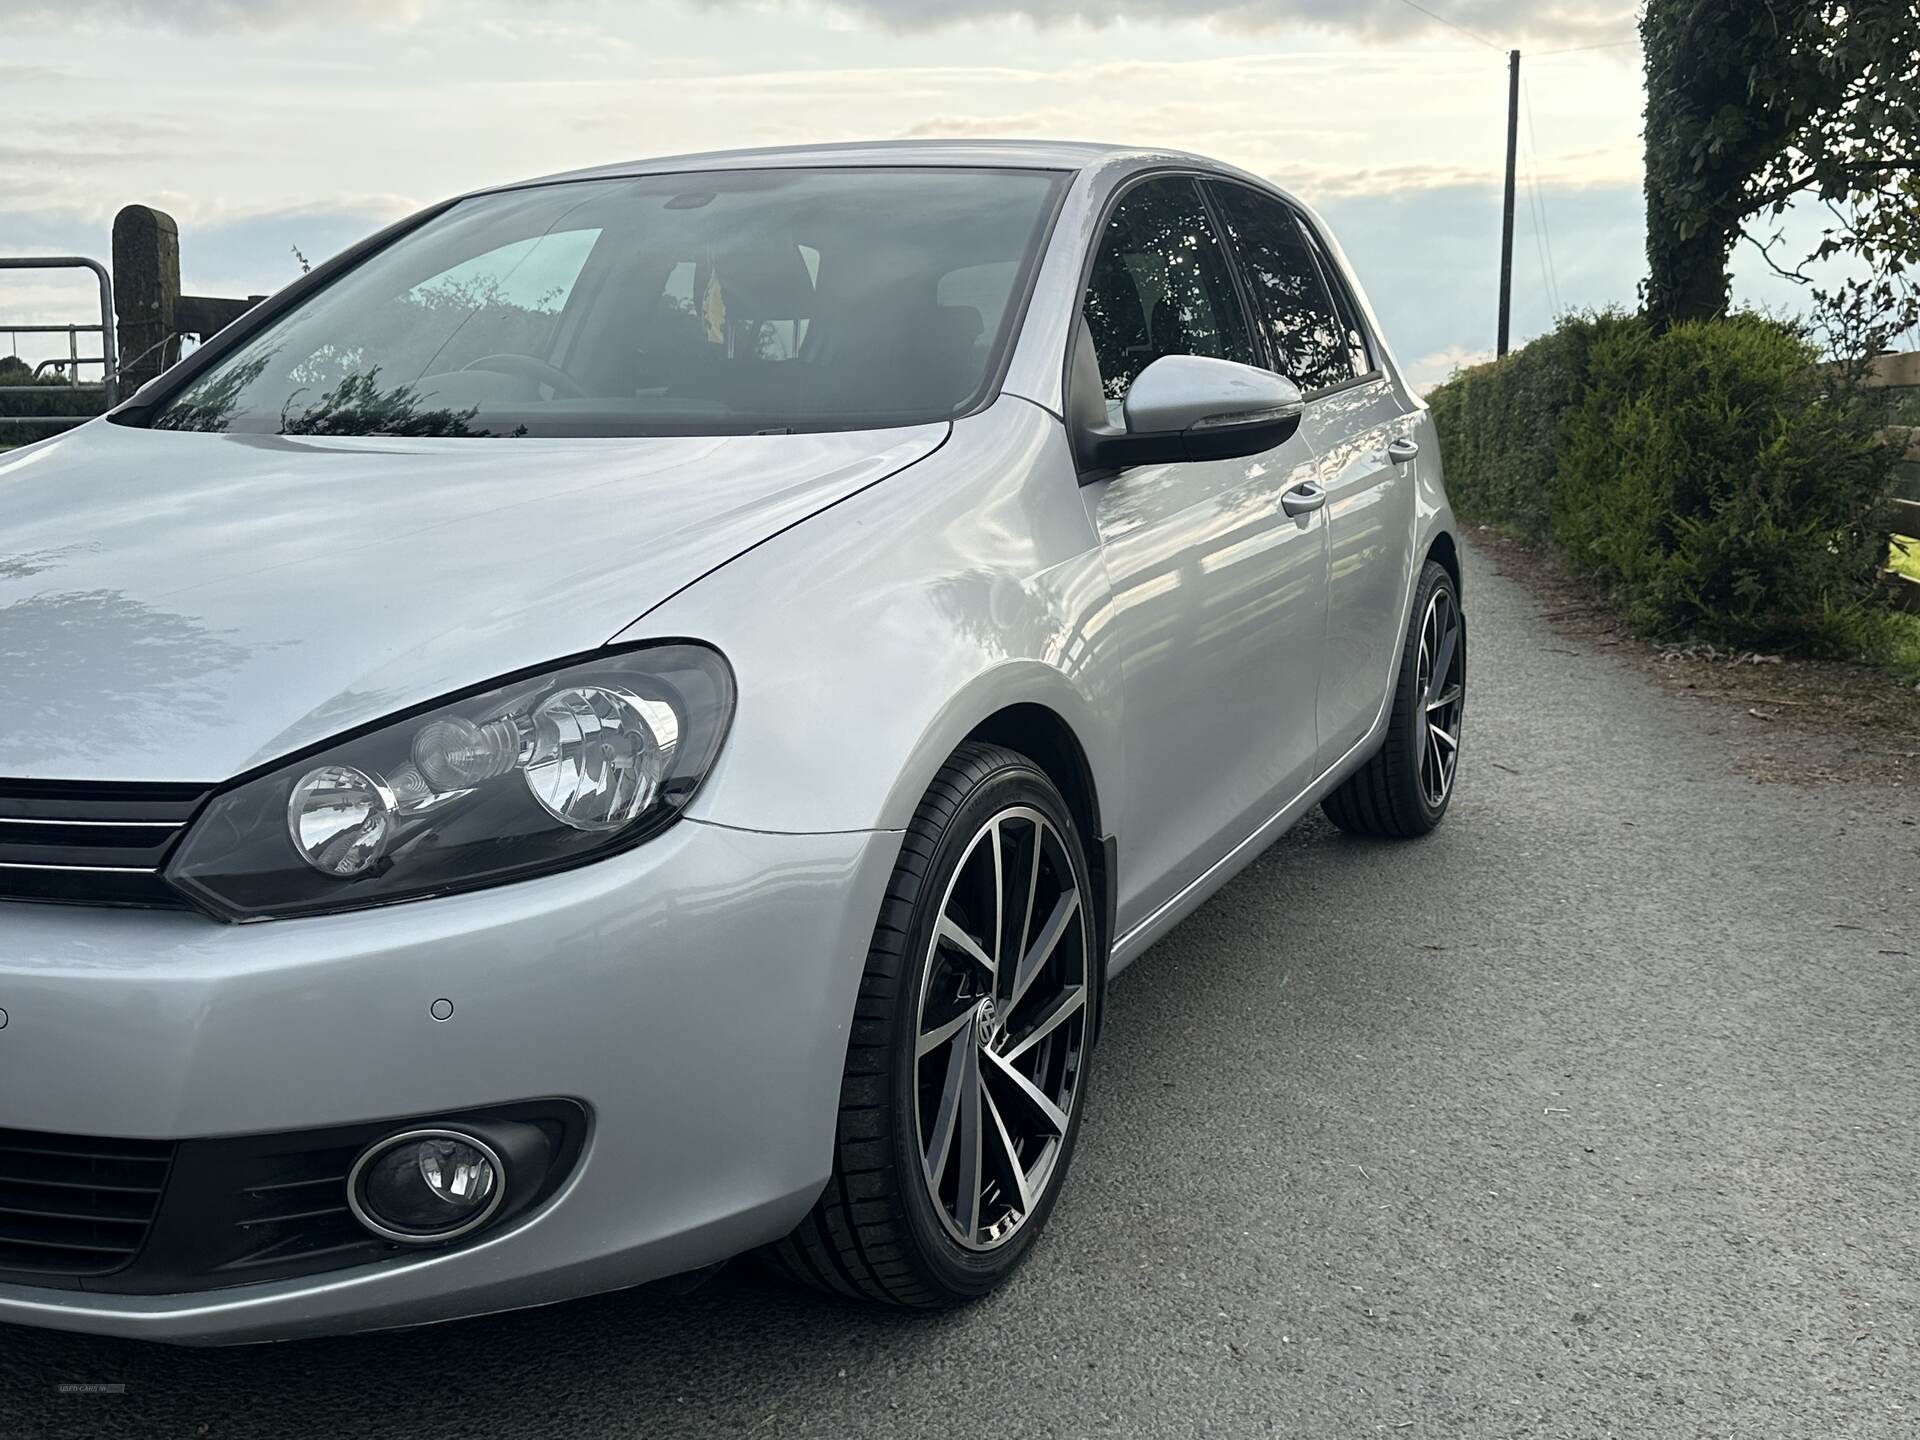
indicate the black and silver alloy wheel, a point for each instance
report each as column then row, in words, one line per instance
column 1405, row 788
column 1002, row 1027
column 966, row 1073
column 1441, row 683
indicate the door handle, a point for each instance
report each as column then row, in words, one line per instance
column 1303, row 499
column 1402, row 450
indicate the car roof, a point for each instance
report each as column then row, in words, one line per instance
column 1003, row 154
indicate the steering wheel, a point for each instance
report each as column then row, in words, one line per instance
column 528, row 368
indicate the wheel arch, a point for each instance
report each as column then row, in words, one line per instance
column 1447, row 551
column 1035, row 710
column 1043, row 735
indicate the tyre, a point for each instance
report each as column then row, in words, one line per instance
column 966, row 1072
column 1405, row 789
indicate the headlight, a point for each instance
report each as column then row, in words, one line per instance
column 528, row 776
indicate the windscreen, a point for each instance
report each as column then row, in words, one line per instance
column 723, row 302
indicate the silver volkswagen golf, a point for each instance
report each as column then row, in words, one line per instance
column 631, row 717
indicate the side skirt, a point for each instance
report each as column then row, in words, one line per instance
column 1130, row 946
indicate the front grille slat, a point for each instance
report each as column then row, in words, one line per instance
column 12, row 1205
column 6, row 1179
column 91, row 842
column 318, row 1213
column 100, row 800
column 77, row 1205
column 260, row 1192
column 121, row 847
column 304, row 1248
column 295, row 1206
column 36, row 1166
column 81, row 1246
column 111, row 858
column 50, row 1220
column 74, row 1148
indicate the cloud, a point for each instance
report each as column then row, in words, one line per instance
column 55, row 164
column 204, row 16
column 1495, row 22
column 1068, row 121
column 1430, row 370
column 1278, row 113
column 36, row 156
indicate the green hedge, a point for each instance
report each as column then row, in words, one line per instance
column 56, row 396
column 1500, row 423
column 1717, row 478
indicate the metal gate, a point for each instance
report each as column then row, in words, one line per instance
column 107, row 387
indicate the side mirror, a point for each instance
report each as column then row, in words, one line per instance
column 1188, row 407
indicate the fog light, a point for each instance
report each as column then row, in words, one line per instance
column 426, row 1186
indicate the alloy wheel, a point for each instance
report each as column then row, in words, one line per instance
column 1002, row 1028
column 1442, row 689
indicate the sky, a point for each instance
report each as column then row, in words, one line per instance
column 267, row 127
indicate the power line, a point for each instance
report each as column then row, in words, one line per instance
column 1546, row 230
column 1582, row 49
column 1543, row 236
column 1435, row 15
column 1536, row 194
column 1540, row 254
column 1478, row 38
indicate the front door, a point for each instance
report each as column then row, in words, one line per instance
column 1219, row 595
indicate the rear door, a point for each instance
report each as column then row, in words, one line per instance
column 1315, row 337
column 1219, row 595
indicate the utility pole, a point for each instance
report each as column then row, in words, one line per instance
column 1506, row 221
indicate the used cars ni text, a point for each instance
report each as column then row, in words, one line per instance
column 632, row 717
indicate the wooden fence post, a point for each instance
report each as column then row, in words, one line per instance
column 146, row 292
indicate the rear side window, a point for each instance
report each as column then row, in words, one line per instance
column 1304, row 336
column 1161, row 285
column 1344, row 308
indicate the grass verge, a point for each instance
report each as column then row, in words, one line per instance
column 1788, row 720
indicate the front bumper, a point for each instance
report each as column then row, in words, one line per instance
column 694, row 993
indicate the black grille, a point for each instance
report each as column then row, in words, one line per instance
column 74, row 1205
column 293, row 1207
column 236, row 1209
column 91, row 844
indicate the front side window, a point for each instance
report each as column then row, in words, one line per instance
column 1308, row 343
column 1161, row 286
column 722, row 302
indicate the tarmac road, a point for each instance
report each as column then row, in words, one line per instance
column 1592, row 1114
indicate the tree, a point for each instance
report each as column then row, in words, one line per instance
column 1754, row 104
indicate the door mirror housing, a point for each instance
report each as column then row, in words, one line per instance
column 1190, row 407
